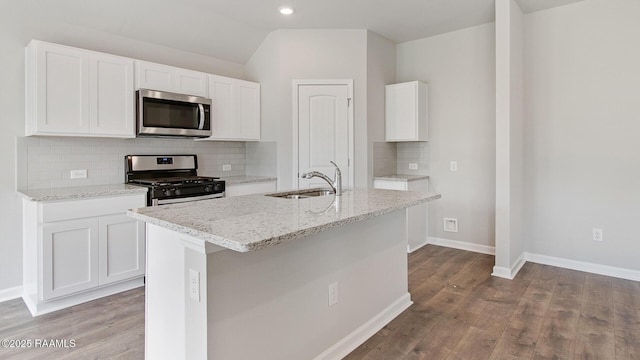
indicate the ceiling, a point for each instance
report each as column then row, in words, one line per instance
column 233, row 29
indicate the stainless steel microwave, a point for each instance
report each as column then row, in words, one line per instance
column 161, row 113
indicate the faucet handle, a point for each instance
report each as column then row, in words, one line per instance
column 337, row 168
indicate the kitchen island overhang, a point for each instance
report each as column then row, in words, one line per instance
column 212, row 295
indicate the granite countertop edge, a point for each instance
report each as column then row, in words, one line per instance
column 246, row 179
column 401, row 177
column 268, row 240
column 80, row 192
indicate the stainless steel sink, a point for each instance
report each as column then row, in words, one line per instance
column 302, row 194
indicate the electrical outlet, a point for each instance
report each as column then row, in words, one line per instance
column 450, row 224
column 194, row 285
column 333, row 294
column 597, row 234
column 453, row 166
column 79, row 174
column 413, row 166
column 226, row 167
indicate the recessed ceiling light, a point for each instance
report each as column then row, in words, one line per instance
column 286, row 10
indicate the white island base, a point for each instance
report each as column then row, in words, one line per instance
column 273, row 303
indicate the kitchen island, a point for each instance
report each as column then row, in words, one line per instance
column 260, row 277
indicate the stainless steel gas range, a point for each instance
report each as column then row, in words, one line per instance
column 171, row 178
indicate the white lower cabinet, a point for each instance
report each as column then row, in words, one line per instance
column 69, row 257
column 80, row 250
column 121, row 248
column 417, row 216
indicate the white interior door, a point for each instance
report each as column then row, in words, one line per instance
column 323, row 132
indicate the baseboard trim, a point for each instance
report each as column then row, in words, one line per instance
column 356, row 338
column 501, row 272
column 40, row 308
column 10, row 293
column 511, row 273
column 462, row 245
column 413, row 247
column 606, row 270
column 506, row 273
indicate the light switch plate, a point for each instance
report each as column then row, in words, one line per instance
column 453, row 166
column 226, row 167
column 194, row 285
column 413, row 166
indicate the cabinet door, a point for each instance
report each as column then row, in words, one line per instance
column 401, row 111
column 69, row 257
column 235, row 113
column 154, row 76
column 247, row 122
column 190, row 82
column 111, row 95
column 223, row 107
column 390, row 185
column 122, row 248
column 62, row 82
column 406, row 111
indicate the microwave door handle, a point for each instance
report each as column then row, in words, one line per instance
column 201, row 111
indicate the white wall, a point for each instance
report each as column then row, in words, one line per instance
column 286, row 55
column 381, row 70
column 19, row 23
column 460, row 70
column 582, row 148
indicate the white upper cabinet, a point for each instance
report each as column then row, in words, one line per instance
column 57, row 89
column 235, row 110
column 75, row 92
column 111, row 100
column 406, row 111
column 168, row 78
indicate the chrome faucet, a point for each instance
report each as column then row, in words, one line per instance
column 336, row 183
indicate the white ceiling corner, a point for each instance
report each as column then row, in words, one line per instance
column 233, row 29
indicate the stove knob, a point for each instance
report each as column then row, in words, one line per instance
column 208, row 188
column 168, row 192
column 178, row 192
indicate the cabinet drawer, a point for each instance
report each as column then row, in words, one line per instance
column 76, row 209
column 390, row 185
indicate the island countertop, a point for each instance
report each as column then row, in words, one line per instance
column 252, row 222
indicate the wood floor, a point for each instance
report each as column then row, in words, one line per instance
column 108, row 328
column 459, row 312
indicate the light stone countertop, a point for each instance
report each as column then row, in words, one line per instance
column 81, row 192
column 401, row 177
column 245, row 179
column 252, row 222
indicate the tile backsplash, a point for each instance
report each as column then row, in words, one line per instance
column 384, row 158
column 413, row 152
column 46, row 162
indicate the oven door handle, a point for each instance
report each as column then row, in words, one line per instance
column 186, row 199
column 201, row 112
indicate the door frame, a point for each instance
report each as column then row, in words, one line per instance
column 296, row 83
